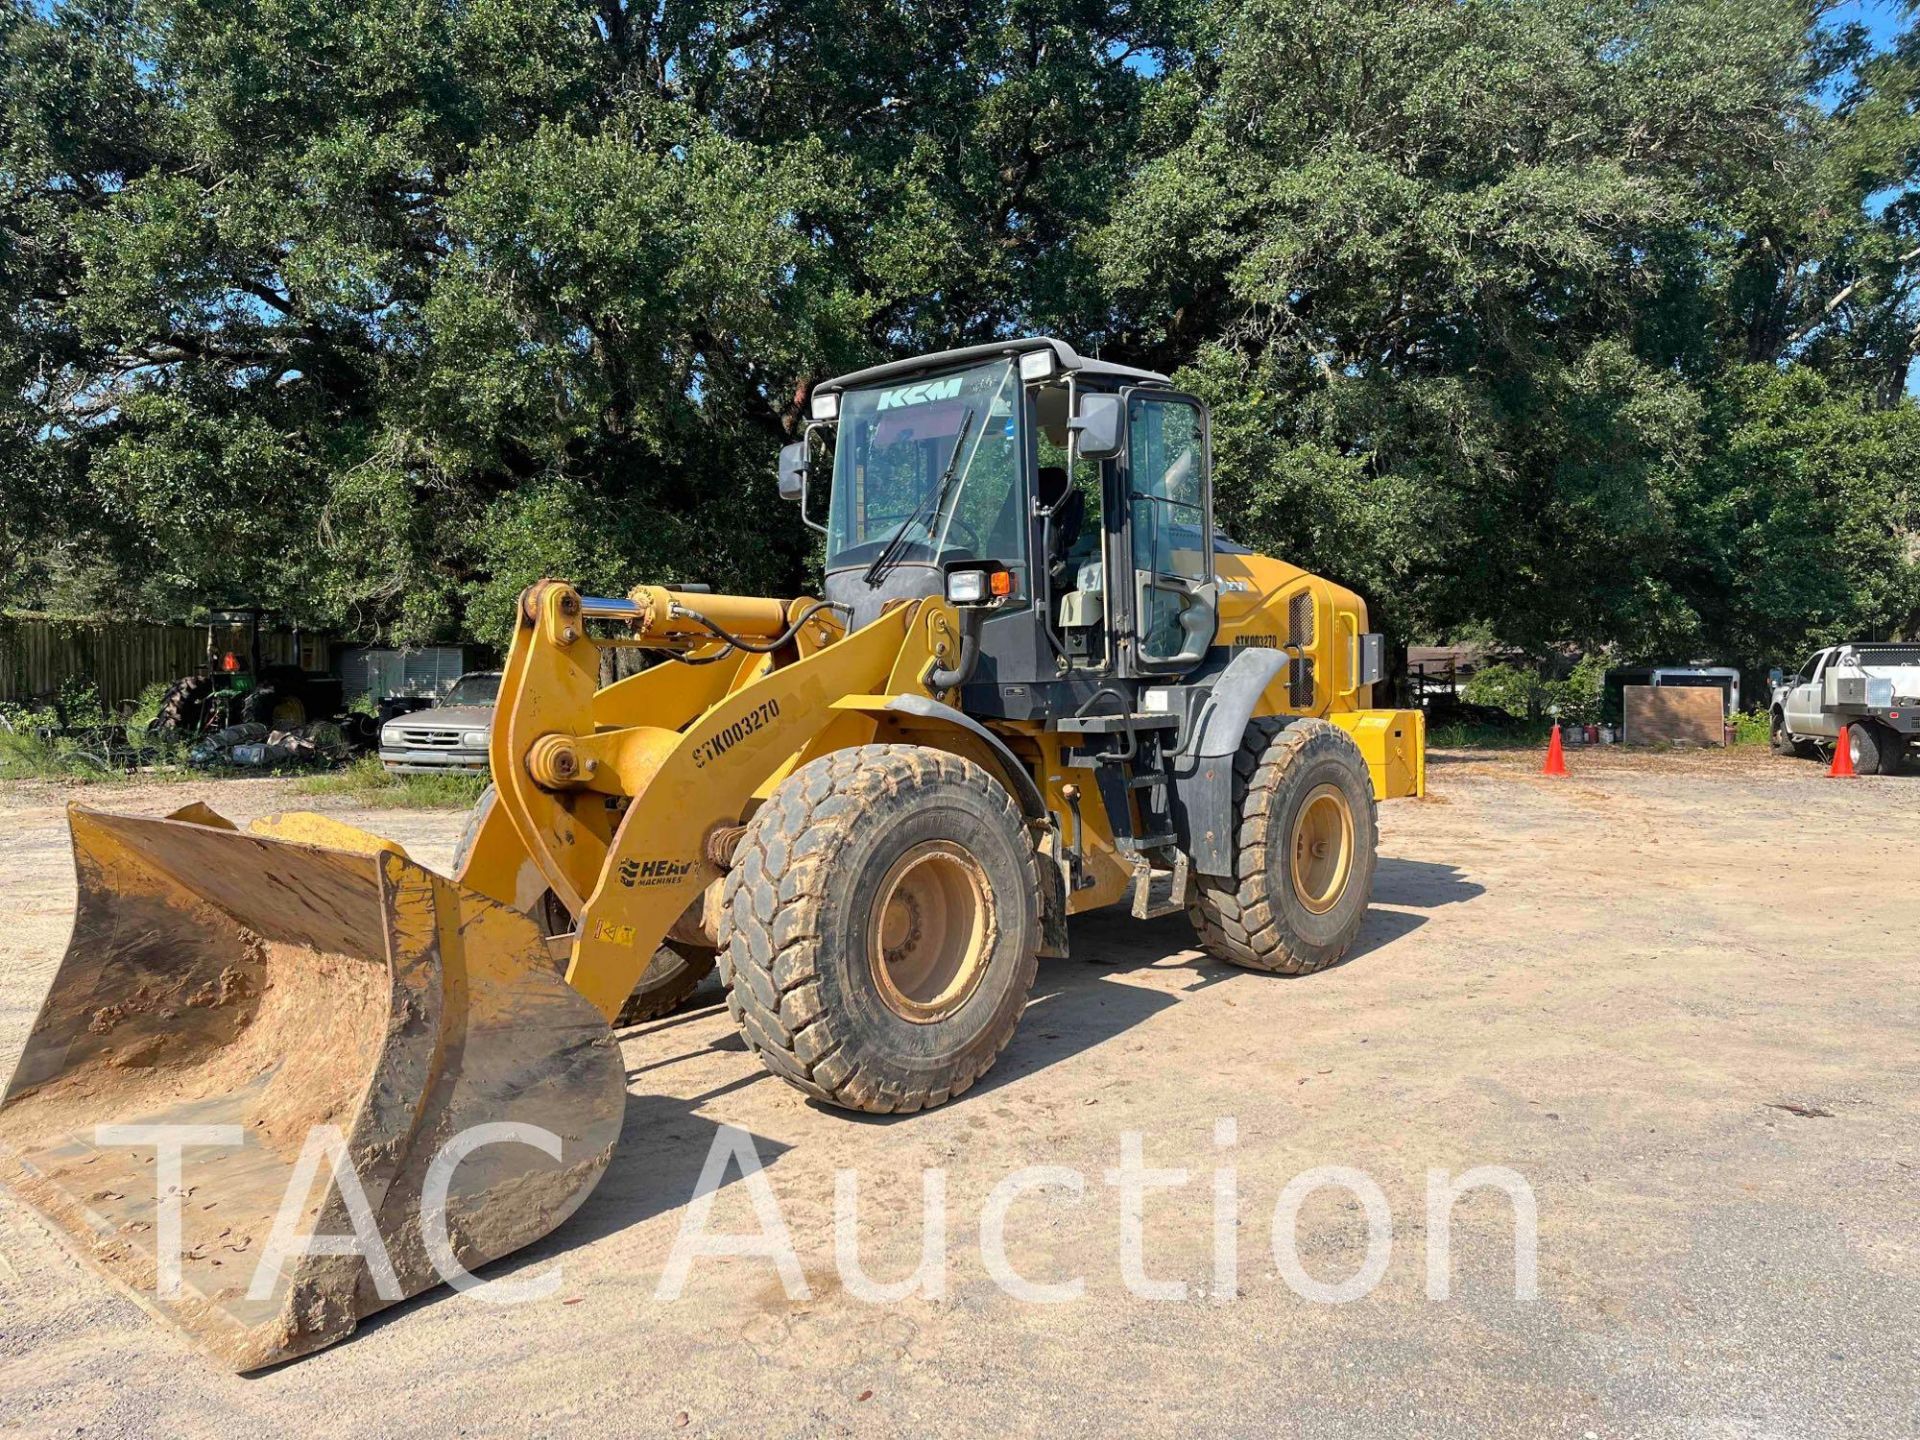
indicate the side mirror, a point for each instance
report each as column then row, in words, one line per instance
column 1100, row 426
column 1775, row 676
column 793, row 471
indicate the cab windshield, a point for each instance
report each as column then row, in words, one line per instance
column 476, row 689
column 934, row 461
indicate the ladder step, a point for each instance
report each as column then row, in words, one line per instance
column 1149, row 906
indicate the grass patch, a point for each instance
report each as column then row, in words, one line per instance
column 1488, row 737
column 27, row 757
column 84, row 760
column 366, row 782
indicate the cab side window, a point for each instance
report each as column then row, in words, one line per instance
column 1166, row 482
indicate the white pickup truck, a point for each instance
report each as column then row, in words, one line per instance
column 1873, row 690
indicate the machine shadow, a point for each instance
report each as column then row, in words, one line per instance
column 1421, row 884
column 1076, row 1005
column 656, row 1163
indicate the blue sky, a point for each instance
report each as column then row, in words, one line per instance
column 1881, row 17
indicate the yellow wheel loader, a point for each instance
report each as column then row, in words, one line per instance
column 287, row 1076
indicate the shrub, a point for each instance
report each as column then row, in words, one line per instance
column 1525, row 692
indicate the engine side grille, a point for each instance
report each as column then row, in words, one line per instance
column 1300, row 683
column 1300, row 619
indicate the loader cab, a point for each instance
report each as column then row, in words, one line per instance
column 1088, row 482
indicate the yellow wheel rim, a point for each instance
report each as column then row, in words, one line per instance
column 928, row 935
column 1322, row 848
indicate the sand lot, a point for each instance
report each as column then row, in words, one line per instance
column 1676, row 994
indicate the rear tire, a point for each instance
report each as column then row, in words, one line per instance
column 881, row 927
column 1874, row 751
column 183, row 709
column 1304, row 855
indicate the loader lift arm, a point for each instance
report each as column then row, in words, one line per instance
column 614, row 795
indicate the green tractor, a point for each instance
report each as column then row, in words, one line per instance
column 237, row 684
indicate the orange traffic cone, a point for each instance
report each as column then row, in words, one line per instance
column 1556, row 757
column 1842, row 767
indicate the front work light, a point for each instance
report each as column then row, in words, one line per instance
column 826, row 406
column 979, row 585
column 966, row 587
column 1037, row 365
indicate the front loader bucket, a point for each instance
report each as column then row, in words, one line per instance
column 324, row 1006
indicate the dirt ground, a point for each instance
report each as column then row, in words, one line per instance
column 1675, row 993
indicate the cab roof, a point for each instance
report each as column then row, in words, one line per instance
column 1066, row 358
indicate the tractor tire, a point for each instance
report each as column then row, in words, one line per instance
column 671, row 977
column 275, row 708
column 183, row 709
column 881, row 927
column 1304, row 856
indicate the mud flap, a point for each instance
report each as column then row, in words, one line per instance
column 301, row 999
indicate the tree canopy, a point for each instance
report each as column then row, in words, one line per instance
column 1567, row 323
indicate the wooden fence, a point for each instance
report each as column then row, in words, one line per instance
column 120, row 658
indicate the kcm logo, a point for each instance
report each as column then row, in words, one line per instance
column 926, row 390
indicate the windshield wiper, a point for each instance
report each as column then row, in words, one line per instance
column 937, row 502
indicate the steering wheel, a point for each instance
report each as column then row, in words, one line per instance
column 971, row 535
column 892, row 522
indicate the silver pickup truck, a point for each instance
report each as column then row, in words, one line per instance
column 447, row 737
column 1873, row 690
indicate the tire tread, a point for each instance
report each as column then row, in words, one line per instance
column 768, row 959
column 1233, row 916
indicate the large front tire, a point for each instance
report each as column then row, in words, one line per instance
column 668, row 982
column 1304, row 853
column 881, row 927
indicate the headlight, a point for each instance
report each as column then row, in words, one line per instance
column 1037, row 364
column 474, row 740
column 967, row 587
column 979, row 587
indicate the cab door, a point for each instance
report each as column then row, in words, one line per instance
column 1806, row 715
column 1172, row 600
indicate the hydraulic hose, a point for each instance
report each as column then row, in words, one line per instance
column 752, row 647
column 969, row 656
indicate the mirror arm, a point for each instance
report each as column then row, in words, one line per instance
column 806, row 443
column 1045, row 512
